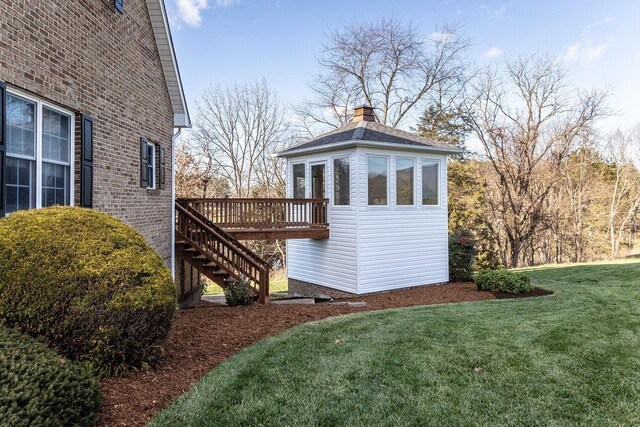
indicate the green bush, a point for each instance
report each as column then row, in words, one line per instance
column 461, row 255
column 239, row 293
column 40, row 388
column 503, row 281
column 87, row 284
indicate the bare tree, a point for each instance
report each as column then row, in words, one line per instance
column 528, row 120
column 625, row 195
column 388, row 65
column 237, row 128
column 197, row 175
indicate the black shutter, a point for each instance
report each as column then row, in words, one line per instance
column 3, row 158
column 86, row 158
column 143, row 163
column 163, row 169
column 119, row 4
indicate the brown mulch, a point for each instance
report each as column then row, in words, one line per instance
column 537, row 292
column 205, row 336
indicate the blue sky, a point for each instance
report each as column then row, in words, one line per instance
column 226, row 41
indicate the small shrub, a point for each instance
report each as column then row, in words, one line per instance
column 87, row 284
column 461, row 255
column 503, row 281
column 40, row 388
column 239, row 293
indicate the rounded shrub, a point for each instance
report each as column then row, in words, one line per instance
column 40, row 388
column 87, row 284
column 503, row 281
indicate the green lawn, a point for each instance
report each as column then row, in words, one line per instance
column 572, row 358
column 277, row 285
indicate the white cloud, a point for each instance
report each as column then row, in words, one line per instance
column 498, row 11
column 189, row 11
column 493, row 52
column 227, row 3
column 585, row 52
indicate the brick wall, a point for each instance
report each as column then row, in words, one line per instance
column 87, row 57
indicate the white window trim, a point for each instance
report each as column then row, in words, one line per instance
column 293, row 183
column 387, row 158
column 415, row 182
column 40, row 103
column 333, row 186
column 425, row 161
column 152, row 185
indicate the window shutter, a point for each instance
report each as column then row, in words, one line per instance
column 162, row 167
column 119, row 4
column 86, row 158
column 3, row 166
column 143, row 163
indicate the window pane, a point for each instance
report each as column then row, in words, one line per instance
column 377, row 173
column 429, row 183
column 341, row 182
column 404, row 181
column 20, row 188
column 55, row 188
column 21, row 116
column 55, row 136
column 298, row 181
column 317, row 181
column 151, row 163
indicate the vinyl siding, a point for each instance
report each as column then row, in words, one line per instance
column 401, row 246
column 331, row 262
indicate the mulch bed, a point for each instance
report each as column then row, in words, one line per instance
column 205, row 336
column 537, row 292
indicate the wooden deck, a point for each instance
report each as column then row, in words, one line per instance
column 266, row 219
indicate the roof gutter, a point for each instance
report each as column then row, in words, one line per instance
column 370, row 144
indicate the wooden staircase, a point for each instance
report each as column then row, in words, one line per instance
column 216, row 254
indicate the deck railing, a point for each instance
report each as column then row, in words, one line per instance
column 262, row 213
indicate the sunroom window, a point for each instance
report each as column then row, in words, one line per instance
column 430, row 182
column 39, row 144
column 377, row 176
column 299, row 181
column 405, row 172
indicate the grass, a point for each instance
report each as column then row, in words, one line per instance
column 572, row 358
column 278, row 284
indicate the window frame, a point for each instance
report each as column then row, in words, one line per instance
column 293, row 182
column 414, row 202
column 438, row 163
column 40, row 104
column 333, row 180
column 387, row 159
column 151, row 163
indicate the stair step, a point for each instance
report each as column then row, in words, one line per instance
column 189, row 250
column 181, row 242
column 200, row 257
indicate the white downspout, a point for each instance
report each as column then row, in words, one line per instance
column 173, row 203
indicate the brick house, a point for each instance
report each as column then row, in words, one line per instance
column 91, row 101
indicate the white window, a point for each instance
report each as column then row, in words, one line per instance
column 405, row 181
column 39, row 154
column 377, row 180
column 299, row 181
column 341, row 181
column 151, row 166
column 430, row 182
